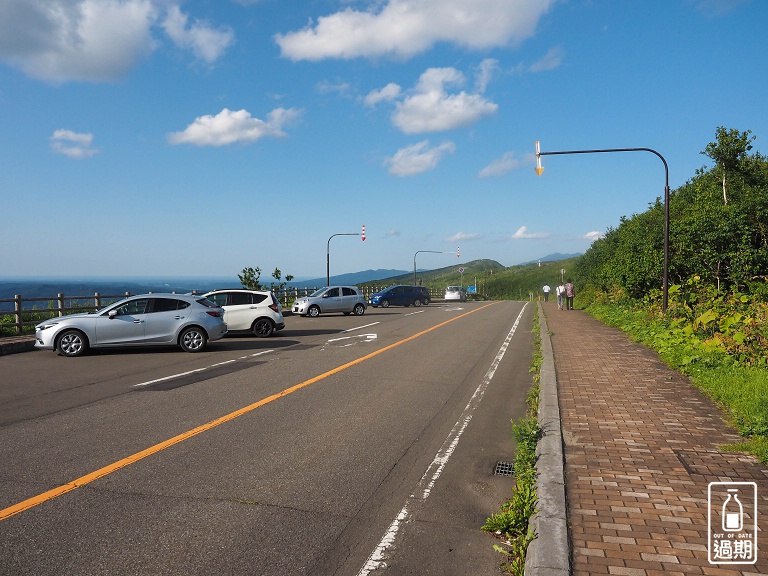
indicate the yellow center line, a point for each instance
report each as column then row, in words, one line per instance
column 127, row 461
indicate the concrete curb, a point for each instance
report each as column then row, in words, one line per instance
column 549, row 553
column 15, row 344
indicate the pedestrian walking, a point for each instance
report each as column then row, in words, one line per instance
column 546, row 290
column 560, row 293
column 570, row 292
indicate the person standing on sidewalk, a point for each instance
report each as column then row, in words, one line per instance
column 546, row 290
column 560, row 293
column 570, row 292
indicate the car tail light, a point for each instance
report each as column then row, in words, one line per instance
column 275, row 307
column 214, row 313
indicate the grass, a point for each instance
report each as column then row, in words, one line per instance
column 511, row 522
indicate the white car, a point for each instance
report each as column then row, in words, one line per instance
column 455, row 293
column 346, row 299
column 256, row 311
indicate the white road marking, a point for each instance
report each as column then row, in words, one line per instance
column 360, row 327
column 412, row 313
column 378, row 558
column 150, row 382
column 354, row 340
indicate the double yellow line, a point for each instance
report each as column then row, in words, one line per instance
column 106, row 470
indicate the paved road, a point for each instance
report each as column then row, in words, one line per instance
column 292, row 455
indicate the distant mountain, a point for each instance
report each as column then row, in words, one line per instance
column 445, row 276
column 553, row 258
column 350, row 279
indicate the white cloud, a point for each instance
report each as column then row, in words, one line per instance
column 418, row 158
column 463, row 236
column 392, row 233
column 229, row 127
column 94, row 40
column 328, row 87
column 390, row 92
column 430, row 108
column 485, row 72
column 551, row 60
column 592, row 236
column 523, row 234
column 205, row 42
column 73, row 144
column 403, row 28
column 509, row 161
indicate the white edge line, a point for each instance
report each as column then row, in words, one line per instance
column 377, row 558
column 172, row 376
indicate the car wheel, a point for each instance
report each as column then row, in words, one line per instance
column 263, row 328
column 416, row 303
column 359, row 310
column 426, row 302
column 72, row 343
column 193, row 339
column 313, row 311
column 384, row 303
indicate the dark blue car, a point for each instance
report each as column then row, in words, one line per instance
column 400, row 296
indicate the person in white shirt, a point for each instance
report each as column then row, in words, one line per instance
column 560, row 293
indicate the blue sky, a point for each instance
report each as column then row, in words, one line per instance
column 195, row 138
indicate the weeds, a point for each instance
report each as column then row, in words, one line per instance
column 511, row 522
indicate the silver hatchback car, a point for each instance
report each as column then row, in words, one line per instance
column 346, row 299
column 145, row 320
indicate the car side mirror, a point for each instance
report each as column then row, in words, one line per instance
column 112, row 314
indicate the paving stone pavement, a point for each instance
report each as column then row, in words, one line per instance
column 641, row 447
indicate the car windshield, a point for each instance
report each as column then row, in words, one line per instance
column 318, row 292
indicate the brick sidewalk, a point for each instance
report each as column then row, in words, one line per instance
column 640, row 451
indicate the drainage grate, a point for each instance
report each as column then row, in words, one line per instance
column 504, row 469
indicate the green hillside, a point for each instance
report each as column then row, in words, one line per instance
column 494, row 281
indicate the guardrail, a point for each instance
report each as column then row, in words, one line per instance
column 60, row 305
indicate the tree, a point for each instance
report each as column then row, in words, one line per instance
column 277, row 274
column 250, row 278
column 729, row 151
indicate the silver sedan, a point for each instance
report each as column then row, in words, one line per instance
column 146, row 320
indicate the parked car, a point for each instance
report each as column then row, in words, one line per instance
column 400, row 296
column 145, row 320
column 455, row 293
column 346, row 299
column 257, row 311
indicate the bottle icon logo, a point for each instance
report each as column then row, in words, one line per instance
column 733, row 512
column 732, row 522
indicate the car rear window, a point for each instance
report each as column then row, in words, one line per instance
column 207, row 302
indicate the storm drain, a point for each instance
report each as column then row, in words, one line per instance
column 504, row 469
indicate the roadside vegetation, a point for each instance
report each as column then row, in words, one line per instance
column 715, row 329
column 510, row 524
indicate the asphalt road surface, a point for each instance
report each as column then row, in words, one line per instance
column 345, row 445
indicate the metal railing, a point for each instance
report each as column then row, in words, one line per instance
column 26, row 312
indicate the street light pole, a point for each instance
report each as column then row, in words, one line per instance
column 665, row 272
column 328, row 255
